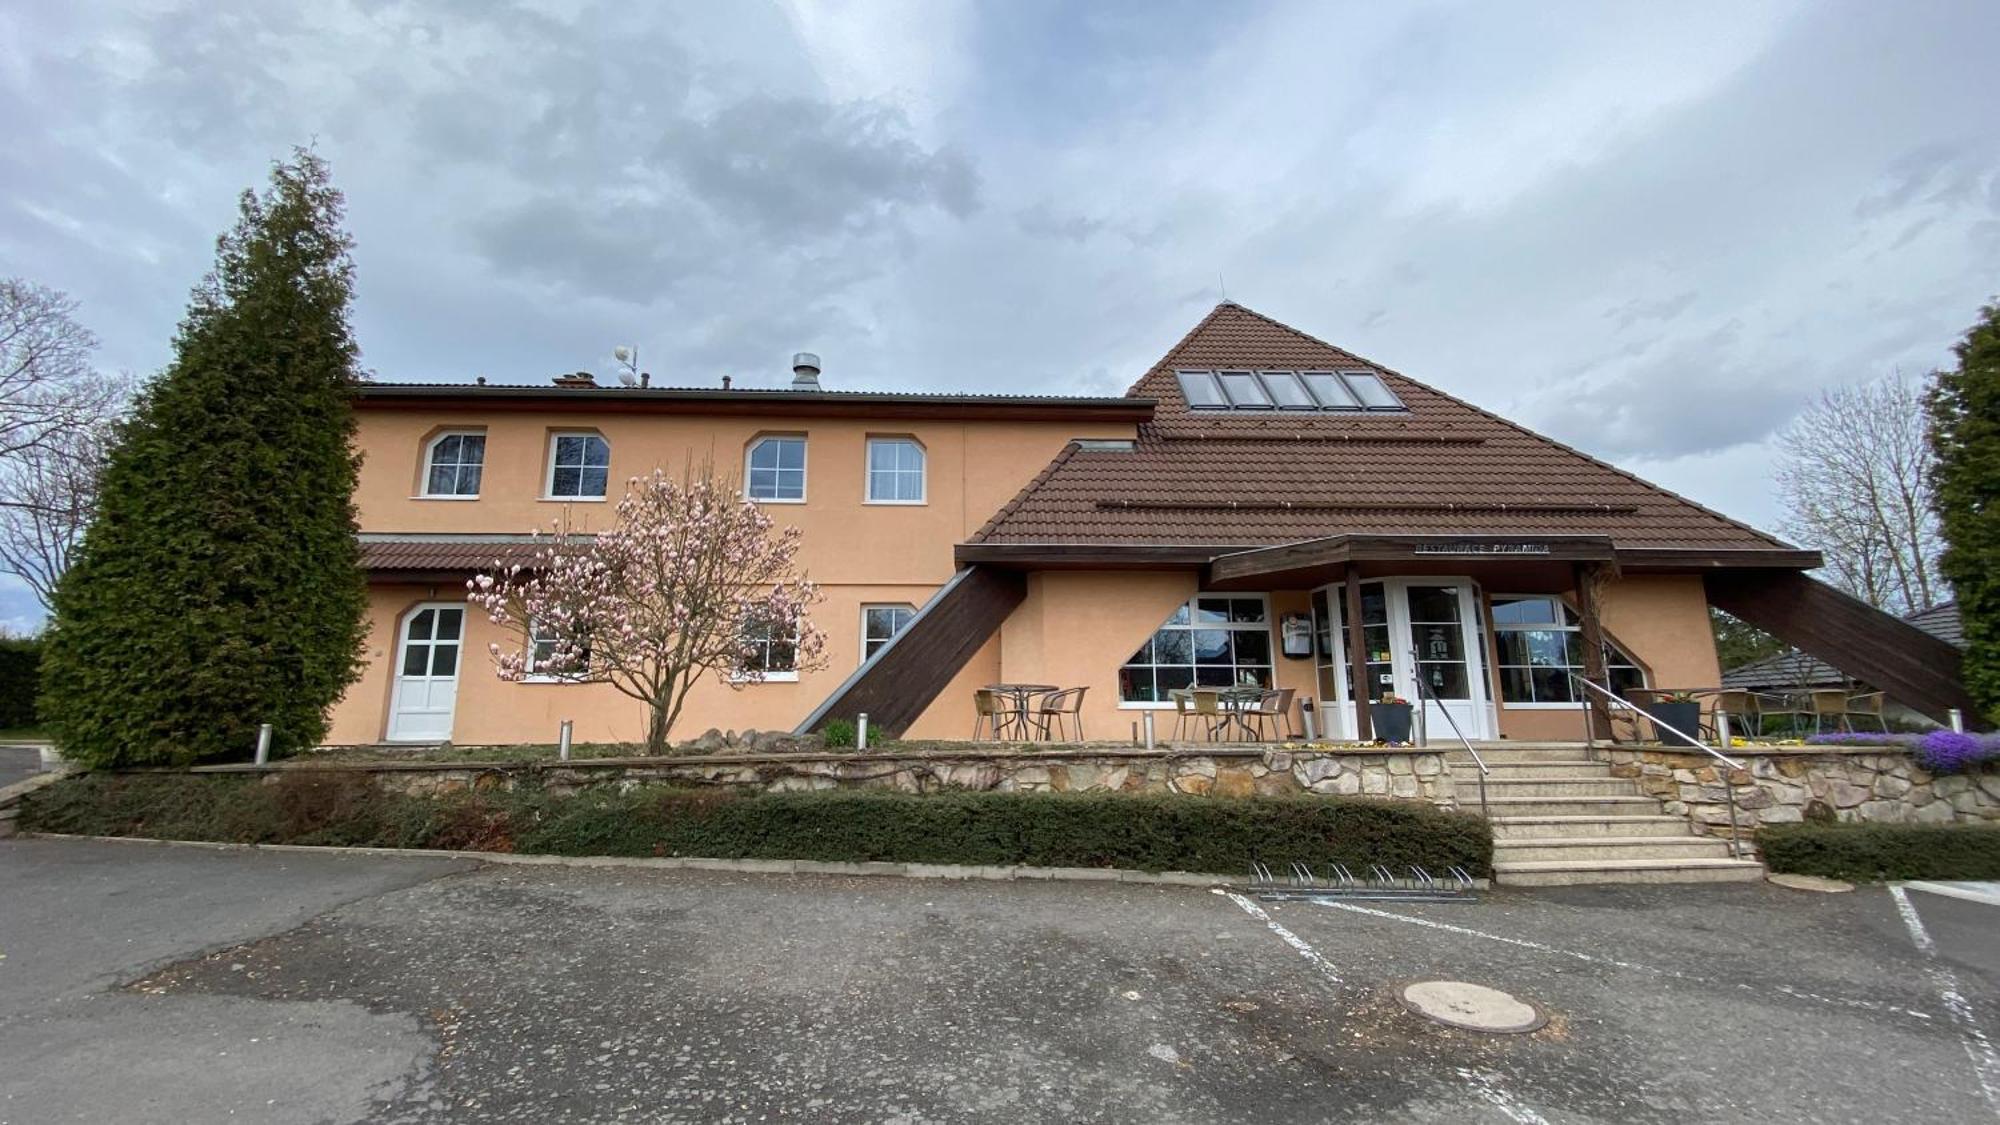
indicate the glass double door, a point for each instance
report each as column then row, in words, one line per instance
column 1411, row 629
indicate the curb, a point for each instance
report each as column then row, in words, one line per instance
column 699, row 863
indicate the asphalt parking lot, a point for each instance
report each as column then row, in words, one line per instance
column 154, row 983
column 19, row 763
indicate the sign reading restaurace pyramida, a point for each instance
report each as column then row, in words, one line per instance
column 1481, row 547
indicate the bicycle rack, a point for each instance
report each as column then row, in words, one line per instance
column 1380, row 884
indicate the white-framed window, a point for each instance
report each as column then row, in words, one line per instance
column 773, row 649
column 776, row 469
column 579, row 466
column 453, row 463
column 895, row 471
column 542, row 647
column 1214, row 640
column 881, row 623
column 1540, row 642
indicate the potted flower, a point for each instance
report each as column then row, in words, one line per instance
column 1678, row 709
column 1390, row 716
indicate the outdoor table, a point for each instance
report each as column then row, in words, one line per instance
column 1018, row 697
column 1235, row 703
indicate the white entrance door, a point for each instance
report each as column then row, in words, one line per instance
column 1410, row 627
column 1441, row 647
column 427, row 673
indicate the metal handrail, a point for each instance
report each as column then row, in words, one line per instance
column 1417, row 676
column 1728, row 790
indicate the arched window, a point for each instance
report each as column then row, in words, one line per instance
column 777, row 470
column 579, row 466
column 453, row 463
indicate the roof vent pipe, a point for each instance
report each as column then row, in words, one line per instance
column 805, row 372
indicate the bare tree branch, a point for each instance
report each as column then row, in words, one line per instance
column 1855, row 478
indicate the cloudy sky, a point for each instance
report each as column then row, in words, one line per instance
column 1651, row 230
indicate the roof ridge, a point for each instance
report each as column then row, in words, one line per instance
column 1133, row 390
column 1517, row 427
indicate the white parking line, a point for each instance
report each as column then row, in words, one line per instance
column 1295, row 941
column 1542, row 947
column 1485, row 1084
column 1978, row 1048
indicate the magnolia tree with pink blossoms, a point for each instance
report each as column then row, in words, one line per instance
column 691, row 578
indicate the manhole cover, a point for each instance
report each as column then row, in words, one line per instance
column 1473, row 1007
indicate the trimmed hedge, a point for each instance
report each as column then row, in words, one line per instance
column 1869, row 852
column 1150, row 832
column 20, row 673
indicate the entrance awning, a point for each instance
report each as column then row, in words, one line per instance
column 1314, row 562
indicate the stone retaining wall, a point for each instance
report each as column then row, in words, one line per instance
column 1223, row 772
column 1785, row 785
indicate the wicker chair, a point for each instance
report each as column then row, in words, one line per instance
column 1867, row 706
column 1055, row 705
column 986, row 712
column 1828, row 703
column 1203, row 705
column 1276, row 706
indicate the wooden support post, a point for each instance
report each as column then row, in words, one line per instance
column 1357, row 658
column 1587, row 577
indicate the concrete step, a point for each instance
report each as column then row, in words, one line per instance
column 1520, row 827
column 1560, row 785
column 1513, row 753
column 1562, row 806
column 1563, row 768
column 1569, row 873
column 1536, row 849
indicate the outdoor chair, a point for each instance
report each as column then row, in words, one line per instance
column 986, row 712
column 1865, row 706
column 1204, row 706
column 1055, row 705
column 1742, row 711
column 1828, row 704
column 1790, row 706
column 1276, row 706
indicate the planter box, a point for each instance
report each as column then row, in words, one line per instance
column 1391, row 721
column 1686, row 716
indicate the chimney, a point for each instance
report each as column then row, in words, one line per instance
column 578, row 379
column 725, row 382
column 805, row 372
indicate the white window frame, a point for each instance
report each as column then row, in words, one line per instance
column 430, row 454
column 868, row 470
column 530, row 676
column 549, row 475
column 865, row 637
column 786, row 677
column 805, row 468
column 1270, row 631
column 1499, row 666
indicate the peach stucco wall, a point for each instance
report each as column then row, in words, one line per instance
column 860, row 553
column 1662, row 620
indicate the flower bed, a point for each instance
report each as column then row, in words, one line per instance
column 1938, row 751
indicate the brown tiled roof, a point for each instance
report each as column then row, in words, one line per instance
column 1254, row 479
column 417, row 553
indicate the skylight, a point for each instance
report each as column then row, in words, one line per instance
column 1288, row 390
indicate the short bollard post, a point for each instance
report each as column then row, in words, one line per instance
column 563, row 736
column 1957, row 720
column 1147, row 719
column 1722, row 728
column 1307, row 717
column 861, row 731
column 263, row 743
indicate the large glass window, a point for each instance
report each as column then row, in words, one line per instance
column 880, row 624
column 1540, row 642
column 895, row 471
column 778, row 469
column 453, row 465
column 579, row 467
column 1218, row 641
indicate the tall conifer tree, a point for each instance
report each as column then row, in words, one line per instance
column 220, row 585
column 1965, row 435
